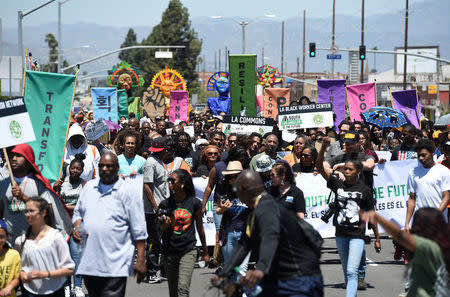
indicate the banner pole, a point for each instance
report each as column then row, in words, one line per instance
column 417, row 100
column 11, row 176
column 24, row 71
column 390, row 96
column 68, row 121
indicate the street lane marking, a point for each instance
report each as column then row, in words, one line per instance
column 370, row 262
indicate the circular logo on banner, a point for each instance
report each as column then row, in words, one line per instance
column 318, row 119
column 15, row 129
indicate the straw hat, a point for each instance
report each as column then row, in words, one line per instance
column 234, row 167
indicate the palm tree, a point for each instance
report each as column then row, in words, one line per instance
column 374, row 70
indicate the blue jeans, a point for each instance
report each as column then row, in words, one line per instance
column 362, row 265
column 350, row 251
column 227, row 249
column 76, row 251
column 217, row 218
column 297, row 286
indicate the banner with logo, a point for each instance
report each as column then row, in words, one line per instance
column 104, row 102
column 408, row 103
column 243, row 85
column 178, row 106
column 305, row 116
column 333, row 91
column 360, row 98
column 273, row 98
column 200, row 184
column 247, row 125
column 122, row 103
column 49, row 97
column 15, row 122
column 153, row 103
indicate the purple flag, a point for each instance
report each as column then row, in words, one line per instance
column 407, row 102
column 333, row 91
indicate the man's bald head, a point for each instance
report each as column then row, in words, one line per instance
column 133, row 124
column 249, row 185
column 108, row 168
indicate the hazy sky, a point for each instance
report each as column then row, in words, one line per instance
column 128, row 13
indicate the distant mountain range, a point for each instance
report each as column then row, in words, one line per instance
column 428, row 25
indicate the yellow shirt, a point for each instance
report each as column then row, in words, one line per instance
column 9, row 268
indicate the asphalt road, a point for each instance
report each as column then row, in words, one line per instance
column 383, row 275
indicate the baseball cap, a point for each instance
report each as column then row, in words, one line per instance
column 351, row 136
column 158, row 145
column 3, row 226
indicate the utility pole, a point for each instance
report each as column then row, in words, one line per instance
column 204, row 82
column 282, row 47
column 406, row 45
column 332, row 38
column 298, row 65
column 362, row 41
column 220, row 59
column 262, row 56
column 215, row 61
column 304, row 43
column 226, row 59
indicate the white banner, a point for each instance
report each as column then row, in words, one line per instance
column 15, row 123
column 200, row 184
column 96, row 130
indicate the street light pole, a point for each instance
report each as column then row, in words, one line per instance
column 243, row 24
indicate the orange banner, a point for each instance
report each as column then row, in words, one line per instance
column 274, row 97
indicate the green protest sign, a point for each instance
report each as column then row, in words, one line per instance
column 122, row 103
column 48, row 97
column 243, row 84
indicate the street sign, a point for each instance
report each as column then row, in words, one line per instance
column 432, row 89
column 163, row 55
column 334, row 49
column 334, row 57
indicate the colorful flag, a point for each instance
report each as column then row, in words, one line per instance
column 243, row 84
column 49, row 97
column 178, row 106
column 360, row 98
column 273, row 98
column 104, row 102
column 16, row 123
column 135, row 106
column 122, row 103
column 333, row 91
column 408, row 103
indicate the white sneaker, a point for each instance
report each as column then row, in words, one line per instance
column 67, row 291
column 77, row 292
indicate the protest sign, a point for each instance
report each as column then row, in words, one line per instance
column 49, row 97
column 333, row 91
column 104, row 102
column 96, row 130
column 122, row 103
column 384, row 155
column 15, row 122
column 153, row 102
column 305, row 116
column 360, row 98
column 408, row 103
column 242, row 85
column 247, row 125
column 200, row 107
column 273, row 98
column 178, row 106
column 189, row 130
column 200, row 184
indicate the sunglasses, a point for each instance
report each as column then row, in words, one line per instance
column 213, row 153
column 305, row 155
column 100, row 165
column 171, row 180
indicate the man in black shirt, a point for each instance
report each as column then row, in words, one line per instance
column 405, row 150
column 285, row 263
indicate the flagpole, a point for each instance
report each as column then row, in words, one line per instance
column 11, row 176
column 24, row 71
column 68, row 122
column 417, row 100
column 390, row 97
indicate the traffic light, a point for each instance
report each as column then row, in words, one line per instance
column 362, row 52
column 312, row 49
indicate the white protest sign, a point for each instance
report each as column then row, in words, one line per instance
column 384, row 155
column 247, row 125
column 189, row 130
column 305, row 116
column 15, row 122
column 96, row 130
column 200, row 184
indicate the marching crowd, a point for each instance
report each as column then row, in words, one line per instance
column 91, row 225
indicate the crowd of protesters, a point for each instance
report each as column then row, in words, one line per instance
column 257, row 208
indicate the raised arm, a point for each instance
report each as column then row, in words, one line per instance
column 320, row 159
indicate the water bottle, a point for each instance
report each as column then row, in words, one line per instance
column 83, row 234
column 238, row 275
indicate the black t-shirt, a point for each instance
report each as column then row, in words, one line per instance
column 361, row 156
column 403, row 152
column 350, row 199
column 235, row 217
column 294, row 200
column 180, row 238
column 297, row 167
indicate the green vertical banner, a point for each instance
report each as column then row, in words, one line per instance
column 135, row 106
column 243, row 84
column 122, row 103
column 48, row 97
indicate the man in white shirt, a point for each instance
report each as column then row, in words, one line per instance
column 428, row 183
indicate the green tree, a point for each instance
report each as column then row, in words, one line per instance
column 174, row 29
column 130, row 40
column 52, row 65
